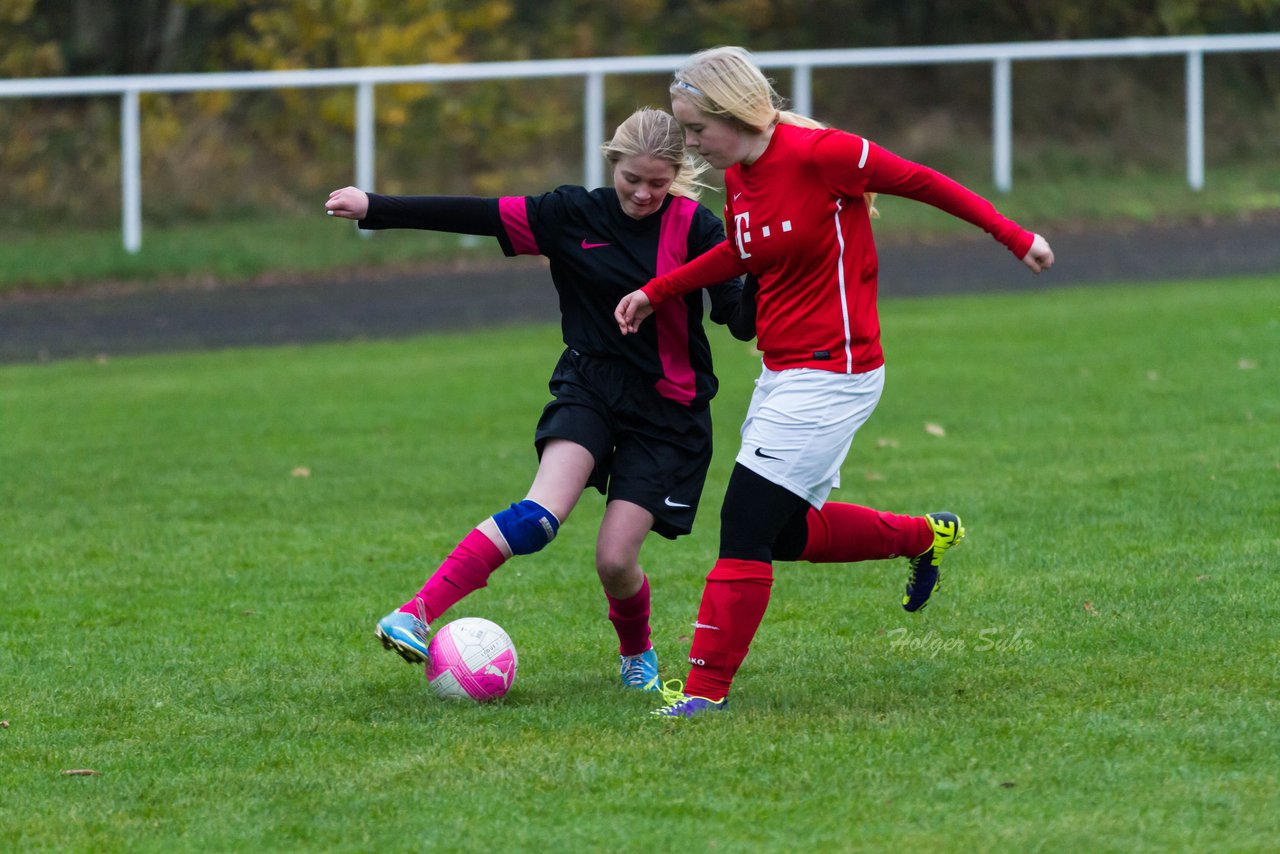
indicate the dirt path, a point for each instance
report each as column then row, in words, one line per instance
column 43, row 328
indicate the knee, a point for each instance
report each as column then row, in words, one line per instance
column 527, row 526
column 616, row 566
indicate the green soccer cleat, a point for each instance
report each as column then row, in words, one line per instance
column 925, row 577
column 681, row 705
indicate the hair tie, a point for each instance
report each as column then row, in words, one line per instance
column 695, row 90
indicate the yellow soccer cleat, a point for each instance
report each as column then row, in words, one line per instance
column 925, row 576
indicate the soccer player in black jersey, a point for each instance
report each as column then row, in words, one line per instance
column 628, row 415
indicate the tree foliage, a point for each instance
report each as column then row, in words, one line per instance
column 218, row 152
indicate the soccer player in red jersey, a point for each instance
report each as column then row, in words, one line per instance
column 629, row 414
column 798, row 204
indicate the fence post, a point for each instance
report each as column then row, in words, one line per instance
column 364, row 141
column 1002, row 123
column 131, row 171
column 1195, row 119
column 593, row 130
column 802, row 89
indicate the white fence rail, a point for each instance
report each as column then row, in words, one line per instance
column 593, row 71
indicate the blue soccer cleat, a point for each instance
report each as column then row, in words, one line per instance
column 925, row 575
column 681, row 705
column 405, row 634
column 640, row 671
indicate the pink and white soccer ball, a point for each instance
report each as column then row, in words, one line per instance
column 471, row 659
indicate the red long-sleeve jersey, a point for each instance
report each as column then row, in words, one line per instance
column 797, row 220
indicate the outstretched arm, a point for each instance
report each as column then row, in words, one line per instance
column 886, row 172
column 456, row 214
column 733, row 304
column 717, row 265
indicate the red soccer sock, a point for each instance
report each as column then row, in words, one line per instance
column 464, row 571
column 845, row 533
column 733, row 604
column 630, row 618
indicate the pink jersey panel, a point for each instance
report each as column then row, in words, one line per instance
column 515, row 219
column 678, row 382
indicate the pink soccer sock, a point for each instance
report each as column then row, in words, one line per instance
column 733, row 604
column 845, row 533
column 464, row 571
column 630, row 618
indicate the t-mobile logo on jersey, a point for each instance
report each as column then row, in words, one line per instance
column 741, row 222
column 742, row 233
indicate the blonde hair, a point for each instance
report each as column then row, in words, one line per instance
column 655, row 133
column 726, row 83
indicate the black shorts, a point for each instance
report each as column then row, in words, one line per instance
column 648, row 450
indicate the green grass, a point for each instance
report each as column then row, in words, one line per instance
column 182, row 614
column 219, row 250
column 236, row 248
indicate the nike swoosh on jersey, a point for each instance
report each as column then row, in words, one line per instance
column 698, row 625
column 586, row 245
column 762, row 455
column 667, row 501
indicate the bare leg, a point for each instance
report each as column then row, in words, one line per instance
column 622, row 533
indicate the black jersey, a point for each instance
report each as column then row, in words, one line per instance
column 598, row 255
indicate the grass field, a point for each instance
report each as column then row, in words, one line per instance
column 187, row 612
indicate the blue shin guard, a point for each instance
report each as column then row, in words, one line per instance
column 527, row 527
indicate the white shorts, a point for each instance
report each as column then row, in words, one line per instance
column 800, row 424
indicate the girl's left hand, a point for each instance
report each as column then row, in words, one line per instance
column 1039, row 257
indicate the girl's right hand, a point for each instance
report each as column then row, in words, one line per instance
column 348, row 203
column 633, row 309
